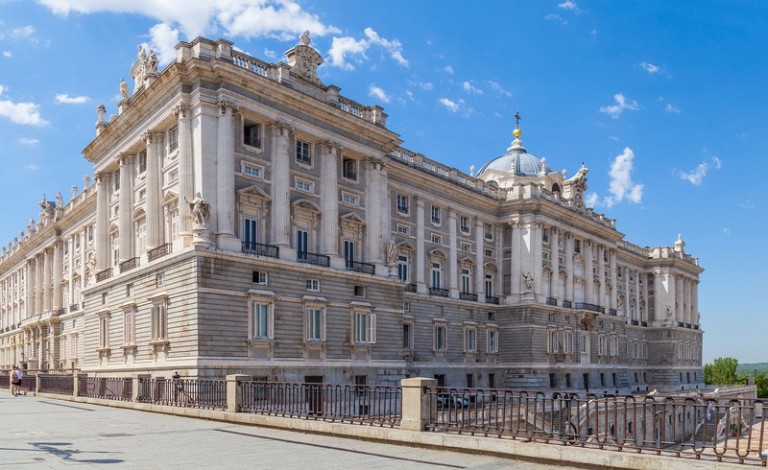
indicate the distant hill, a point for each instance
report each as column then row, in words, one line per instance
column 750, row 368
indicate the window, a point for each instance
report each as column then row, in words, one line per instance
column 545, row 235
column 466, row 247
column 349, row 253
column 577, row 246
column 252, row 134
column 160, row 279
column 493, row 341
column 488, row 252
column 440, row 338
column 470, row 340
column 437, row 239
column 488, row 285
column 302, row 243
column 350, row 199
column 435, row 214
column 614, row 346
column 251, row 170
column 173, row 139
column 464, row 224
column 313, row 285
column 402, row 268
column 129, row 326
column 304, row 185
column 364, row 327
column 437, row 271
column 402, row 229
column 359, row 291
column 142, row 162
column 160, row 321
column 250, row 233
column 302, row 152
column 261, row 328
column 104, row 331
column 361, row 385
column 407, row 335
column 116, row 180
column 314, row 323
column 349, row 169
column 406, row 306
column 402, row 204
column 465, row 281
column 260, row 277
column 602, row 342
column 488, row 231
column 173, row 176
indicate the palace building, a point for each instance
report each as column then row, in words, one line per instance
column 246, row 218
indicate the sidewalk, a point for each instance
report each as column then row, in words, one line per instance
column 47, row 433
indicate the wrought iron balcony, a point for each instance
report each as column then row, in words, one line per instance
column 590, row 307
column 490, row 299
column 643, row 323
column 314, row 259
column 127, row 265
column 102, row 275
column 159, row 252
column 634, row 322
column 438, row 292
column 552, row 301
column 567, row 304
column 360, row 267
column 468, row 296
column 74, row 307
column 612, row 312
column 261, row 249
column 409, row 288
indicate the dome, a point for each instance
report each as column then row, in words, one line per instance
column 518, row 162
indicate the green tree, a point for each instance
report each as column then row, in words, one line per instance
column 722, row 371
column 761, row 380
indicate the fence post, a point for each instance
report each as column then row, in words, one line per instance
column 234, row 391
column 416, row 403
column 136, row 389
column 37, row 383
column 76, row 385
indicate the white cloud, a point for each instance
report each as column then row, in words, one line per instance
column 568, row 5
column 696, row 176
column 621, row 105
column 63, row 98
column 427, row 86
column 33, row 167
column 448, row 69
column 24, row 32
column 495, row 86
column 650, row 68
column 394, row 47
column 7, row 54
column 344, row 47
column 727, row 231
column 621, row 185
column 163, row 42
column 378, row 93
column 591, row 200
column 670, row 108
column 28, row 142
column 270, row 53
column 450, row 105
column 21, row 113
column 470, row 88
column 555, row 17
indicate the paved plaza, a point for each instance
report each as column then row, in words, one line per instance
column 49, row 433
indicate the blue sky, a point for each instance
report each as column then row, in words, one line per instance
column 663, row 101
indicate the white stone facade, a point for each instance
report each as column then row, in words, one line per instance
column 246, row 218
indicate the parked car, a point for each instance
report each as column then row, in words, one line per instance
column 445, row 400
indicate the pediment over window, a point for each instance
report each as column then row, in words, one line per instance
column 307, row 205
column 489, row 266
column 253, row 191
column 169, row 198
column 437, row 253
column 405, row 246
column 352, row 218
column 466, row 260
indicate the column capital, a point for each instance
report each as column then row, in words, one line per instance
column 376, row 164
column 100, row 177
column 281, row 125
column 147, row 137
column 332, row 145
column 124, row 159
column 181, row 111
column 226, row 106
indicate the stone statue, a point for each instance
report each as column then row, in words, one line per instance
column 151, row 66
column 528, row 279
column 125, row 93
column 391, row 251
column 304, row 39
column 201, row 210
column 59, row 200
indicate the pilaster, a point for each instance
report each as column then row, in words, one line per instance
column 125, row 221
column 453, row 267
column 479, row 259
column 420, row 253
column 225, row 169
column 153, row 209
column 186, row 176
column 102, row 222
column 280, row 220
column 329, row 199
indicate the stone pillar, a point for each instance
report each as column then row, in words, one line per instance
column 186, row 176
column 479, row 260
column 416, row 403
column 554, row 256
column 453, row 256
column 375, row 199
column 154, row 218
column 672, row 296
column 515, row 261
column 569, row 267
column 498, row 236
column 46, row 278
column 658, row 301
column 628, row 294
column 695, row 302
column 421, row 255
column 57, row 266
column 31, row 286
column 688, row 302
column 329, row 198
column 83, row 260
column 225, row 170
column 102, row 222
column 537, row 259
column 589, row 276
column 280, row 213
column 70, row 274
column 614, row 287
column 680, row 298
column 637, row 296
column 234, row 391
column 601, row 277
column 125, row 221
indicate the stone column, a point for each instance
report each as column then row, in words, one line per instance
column 695, row 302
column 658, row 305
column 31, row 286
column 46, row 278
column 554, row 256
column 569, row 267
column 420, row 253
column 637, row 296
column 515, row 261
column 589, row 277
column 102, row 222
column 186, row 176
column 453, row 256
column 280, row 213
column 125, row 221
column 225, row 169
column 627, row 294
column 601, row 277
column 83, row 261
column 375, row 198
column 479, row 260
column 680, row 299
column 57, row 265
column 672, row 296
column 154, row 217
column 538, row 261
column 329, row 198
column 70, row 274
column 614, row 287
column 498, row 237
column 688, row 301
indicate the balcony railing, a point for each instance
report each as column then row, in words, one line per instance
column 261, row 249
column 74, row 307
column 360, row 267
column 643, row 323
column 159, row 252
column 314, row 259
column 491, row 299
column 102, row 275
column 567, row 304
column 127, row 265
column 409, row 288
column 634, row 322
column 552, row 301
column 468, row 296
column 590, row 307
column 438, row 292
column 612, row 312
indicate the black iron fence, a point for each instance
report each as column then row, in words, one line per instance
column 380, row 406
column 58, row 384
column 106, row 388
column 189, row 393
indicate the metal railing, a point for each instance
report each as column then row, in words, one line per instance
column 314, row 259
column 380, row 406
column 127, row 265
column 57, row 384
column 697, row 427
column 438, row 291
column 409, row 288
column 189, row 393
column 261, row 249
column 490, row 299
column 552, row 301
column 360, row 267
column 567, row 304
column 159, row 252
column 590, row 307
column 103, row 275
column 468, row 296
column 106, row 388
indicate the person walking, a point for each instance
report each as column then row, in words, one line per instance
column 16, row 378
